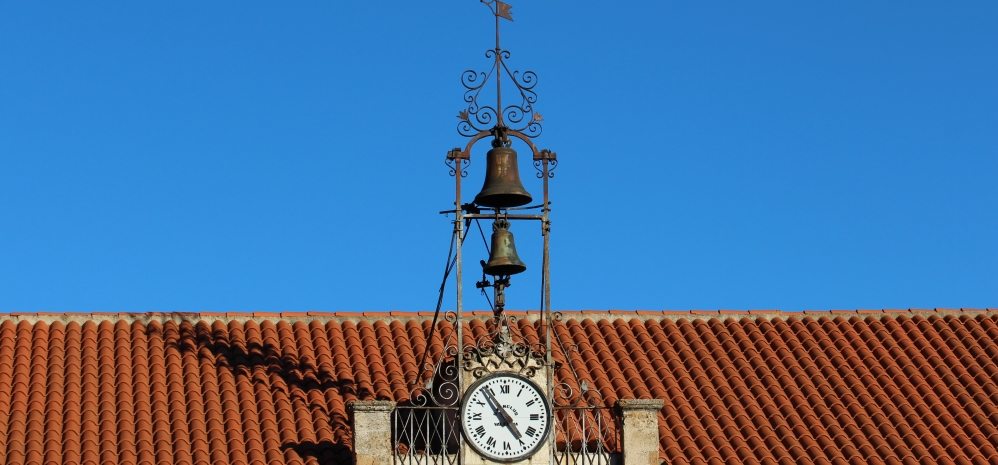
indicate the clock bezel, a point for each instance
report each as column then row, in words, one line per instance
column 547, row 408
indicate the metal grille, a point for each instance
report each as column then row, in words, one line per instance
column 586, row 436
column 426, row 435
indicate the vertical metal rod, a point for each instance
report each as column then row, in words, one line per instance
column 429, row 427
column 498, row 72
column 546, row 231
column 546, row 302
column 459, row 306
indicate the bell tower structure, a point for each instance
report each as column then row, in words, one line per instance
column 506, row 378
column 483, row 389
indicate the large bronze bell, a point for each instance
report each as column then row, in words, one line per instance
column 503, row 260
column 502, row 188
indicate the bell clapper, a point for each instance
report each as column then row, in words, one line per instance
column 498, row 288
column 500, row 294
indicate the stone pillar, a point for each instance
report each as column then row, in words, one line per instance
column 640, row 430
column 372, row 431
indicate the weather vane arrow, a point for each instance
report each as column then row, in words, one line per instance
column 500, row 9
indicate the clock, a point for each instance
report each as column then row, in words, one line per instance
column 505, row 417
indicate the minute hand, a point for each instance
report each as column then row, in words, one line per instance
column 505, row 415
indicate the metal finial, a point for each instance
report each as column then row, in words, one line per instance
column 519, row 119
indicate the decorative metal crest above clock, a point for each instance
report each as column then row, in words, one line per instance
column 503, row 348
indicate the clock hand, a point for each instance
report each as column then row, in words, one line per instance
column 496, row 406
column 504, row 414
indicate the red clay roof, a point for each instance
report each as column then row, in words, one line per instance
column 889, row 387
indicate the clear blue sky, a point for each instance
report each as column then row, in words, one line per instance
column 251, row 155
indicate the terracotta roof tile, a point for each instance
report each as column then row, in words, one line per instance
column 867, row 386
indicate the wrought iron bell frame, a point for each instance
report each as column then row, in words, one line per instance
column 545, row 161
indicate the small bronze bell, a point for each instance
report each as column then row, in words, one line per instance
column 502, row 188
column 503, row 260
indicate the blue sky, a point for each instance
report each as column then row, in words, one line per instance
column 251, row 155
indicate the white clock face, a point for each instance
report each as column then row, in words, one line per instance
column 505, row 417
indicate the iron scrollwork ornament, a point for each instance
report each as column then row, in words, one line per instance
column 475, row 118
column 539, row 167
column 454, row 163
column 520, row 117
column 579, row 393
column 437, row 383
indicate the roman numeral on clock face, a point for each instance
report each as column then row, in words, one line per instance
column 491, row 442
column 535, row 416
column 478, row 416
column 504, row 389
column 531, row 431
column 480, row 431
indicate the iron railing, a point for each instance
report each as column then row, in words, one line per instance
column 586, row 435
column 426, row 435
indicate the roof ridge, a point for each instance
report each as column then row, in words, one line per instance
column 382, row 315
